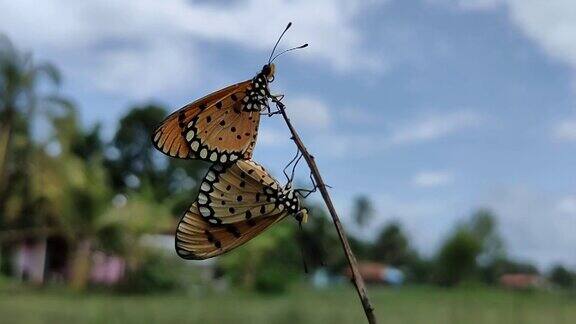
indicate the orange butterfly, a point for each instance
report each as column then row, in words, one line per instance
column 223, row 126
column 236, row 202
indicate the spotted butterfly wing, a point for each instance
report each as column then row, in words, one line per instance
column 243, row 191
column 236, row 202
column 197, row 239
column 221, row 127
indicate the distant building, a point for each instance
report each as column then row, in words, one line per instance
column 521, row 281
column 379, row 273
column 41, row 260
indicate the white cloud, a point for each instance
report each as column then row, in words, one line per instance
column 141, row 47
column 144, row 72
column 268, row 136
column 360, row 144
column 468, row 4
column 565, row 130
column 358, row 116
column 550, row 24
column 309, row 112
column 567, row 205
column 433, row 127
column 428, row 179
column 536, row 226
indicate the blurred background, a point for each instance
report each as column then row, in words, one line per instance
column 446, row 129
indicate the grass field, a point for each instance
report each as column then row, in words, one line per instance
column 405, row 305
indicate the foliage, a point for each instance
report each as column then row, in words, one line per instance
column 121, row 227
column 483, row 226
column 320, row 241
column 267, row 263
column 456, row 260
column 491, row 272
column 563, row 277
column 26, row 86
column 137, row 163
column 156, row 272
column 392, row 247
column 363, row 211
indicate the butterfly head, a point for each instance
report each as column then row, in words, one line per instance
column 268, row 71
column 302, row 215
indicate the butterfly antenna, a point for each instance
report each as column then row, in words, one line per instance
column 278, row 42
column 288, row 50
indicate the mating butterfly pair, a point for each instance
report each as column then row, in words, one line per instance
column 238, row 198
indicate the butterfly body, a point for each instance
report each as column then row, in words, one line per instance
column 221, row 127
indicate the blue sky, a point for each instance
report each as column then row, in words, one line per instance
column 432, row 108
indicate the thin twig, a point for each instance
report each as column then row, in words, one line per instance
column 356, row 277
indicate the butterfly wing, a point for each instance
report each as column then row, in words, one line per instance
column 237, row 192
column 217, row 127
column 197, row 239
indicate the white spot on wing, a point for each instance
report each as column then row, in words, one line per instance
column 205, row 186
column 190, row 135
column 204, row 211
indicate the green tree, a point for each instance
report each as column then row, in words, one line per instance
column 456, row 260
column 268, row 262
column 320, row 241
column 363, row 211
column 483, row 226
column 72, row 196
column 137, row 163
column 492, row 271
column 21, row 81
column 392, row 246
column 563, row 277
column 362, row 214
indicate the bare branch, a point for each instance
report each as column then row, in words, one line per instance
column 356, row 277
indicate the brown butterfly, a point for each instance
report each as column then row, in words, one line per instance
column 236, row 202
column 223, row 126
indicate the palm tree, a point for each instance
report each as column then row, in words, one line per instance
column 74, row 197
column 20, row 97
column 363, row 211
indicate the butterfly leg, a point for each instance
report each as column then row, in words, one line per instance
column 304, row 193
column 299, row 155
column 277, row 99
column 288, row 165
column 270, row 112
